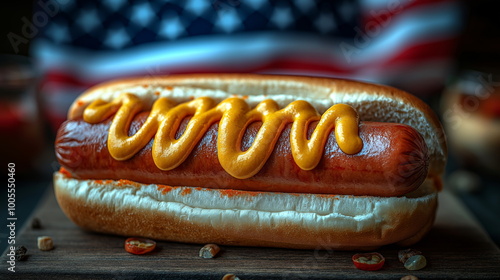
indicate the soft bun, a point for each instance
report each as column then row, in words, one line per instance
column 247, row 218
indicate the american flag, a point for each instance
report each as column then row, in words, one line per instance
column 404, row 43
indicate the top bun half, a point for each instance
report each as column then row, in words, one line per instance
column 373, row 102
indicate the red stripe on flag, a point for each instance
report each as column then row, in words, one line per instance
column 441, row 49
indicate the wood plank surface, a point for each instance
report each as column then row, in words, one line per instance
column 456, row 248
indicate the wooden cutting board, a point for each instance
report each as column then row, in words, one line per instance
column 456, row 248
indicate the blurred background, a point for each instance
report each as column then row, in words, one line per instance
column 445, row 52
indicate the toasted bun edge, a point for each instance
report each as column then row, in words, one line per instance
column 198, row 215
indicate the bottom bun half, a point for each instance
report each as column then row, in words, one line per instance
column 229, row 217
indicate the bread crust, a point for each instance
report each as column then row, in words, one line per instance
column 198, row 215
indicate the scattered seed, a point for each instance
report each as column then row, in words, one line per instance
column 21, row 253
column 209, row 251
column 409, row 277
column 230, row 277
column 35, row 224
column 45, row 243
column 416, row 262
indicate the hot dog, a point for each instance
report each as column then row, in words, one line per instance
column 372, row 179
column 401, row 159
